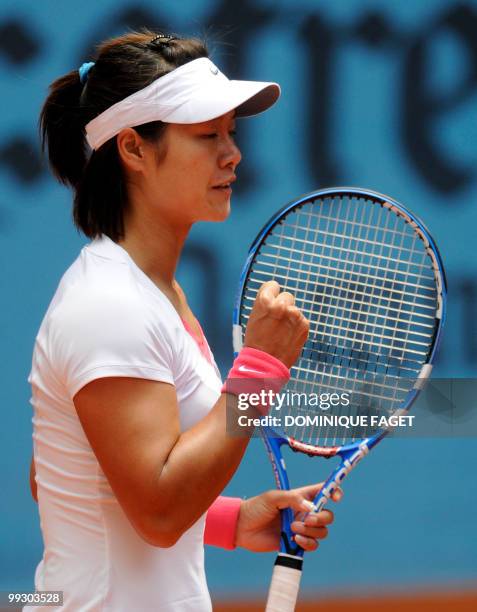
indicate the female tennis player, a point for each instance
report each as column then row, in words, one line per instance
column 130, row 445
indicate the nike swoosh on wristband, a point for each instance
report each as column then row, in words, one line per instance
column 243, row 368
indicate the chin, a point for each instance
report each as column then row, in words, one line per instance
column 219, row 213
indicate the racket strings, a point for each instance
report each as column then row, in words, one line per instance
column 351, row 384
column 407, row 287
column 369, row 315
column 363, row 277
column 355, row 360
column 366, row 322
column 366, row 262
column 358, row 263
column 261, row 277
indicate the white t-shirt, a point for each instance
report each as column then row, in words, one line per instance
column 108, row 318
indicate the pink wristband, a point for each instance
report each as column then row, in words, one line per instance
column 221, row 522
column 254, row 371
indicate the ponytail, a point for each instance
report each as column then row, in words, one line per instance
column 62, row 129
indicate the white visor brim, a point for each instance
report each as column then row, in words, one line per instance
column 193, row 93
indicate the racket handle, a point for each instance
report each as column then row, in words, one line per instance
column 285, row 583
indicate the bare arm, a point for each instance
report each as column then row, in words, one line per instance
column 164, row 479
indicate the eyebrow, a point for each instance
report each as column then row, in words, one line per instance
column 214, row 125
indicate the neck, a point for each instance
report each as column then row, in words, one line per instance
column 154, row 248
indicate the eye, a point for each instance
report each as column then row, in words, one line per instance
column 213, row 135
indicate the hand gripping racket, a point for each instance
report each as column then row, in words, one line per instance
column 368, row 276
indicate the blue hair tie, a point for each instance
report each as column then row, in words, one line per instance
column 84, row 70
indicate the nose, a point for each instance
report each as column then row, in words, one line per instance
column 230, row 155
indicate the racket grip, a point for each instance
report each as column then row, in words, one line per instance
column 285, row 584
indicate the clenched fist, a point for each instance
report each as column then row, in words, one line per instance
column 276, row 326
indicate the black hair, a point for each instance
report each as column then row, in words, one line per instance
column 123, row 65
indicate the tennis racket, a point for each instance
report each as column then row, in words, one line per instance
column 368, row 276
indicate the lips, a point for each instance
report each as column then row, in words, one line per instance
column 226, row 184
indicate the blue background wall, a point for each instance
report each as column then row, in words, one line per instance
column 376, row 94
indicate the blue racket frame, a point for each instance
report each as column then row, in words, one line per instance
column 349, row 454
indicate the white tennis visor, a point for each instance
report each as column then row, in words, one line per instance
column 193, row 93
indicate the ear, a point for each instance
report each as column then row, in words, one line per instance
column 131, row 149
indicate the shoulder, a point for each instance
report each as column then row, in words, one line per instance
column 104, row 320
column 101, row 302
column 101, row 330
column 118, row 318
column 102, row 288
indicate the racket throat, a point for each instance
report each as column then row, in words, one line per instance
column 289, row 549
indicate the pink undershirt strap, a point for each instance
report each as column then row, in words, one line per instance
column 200, row 340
